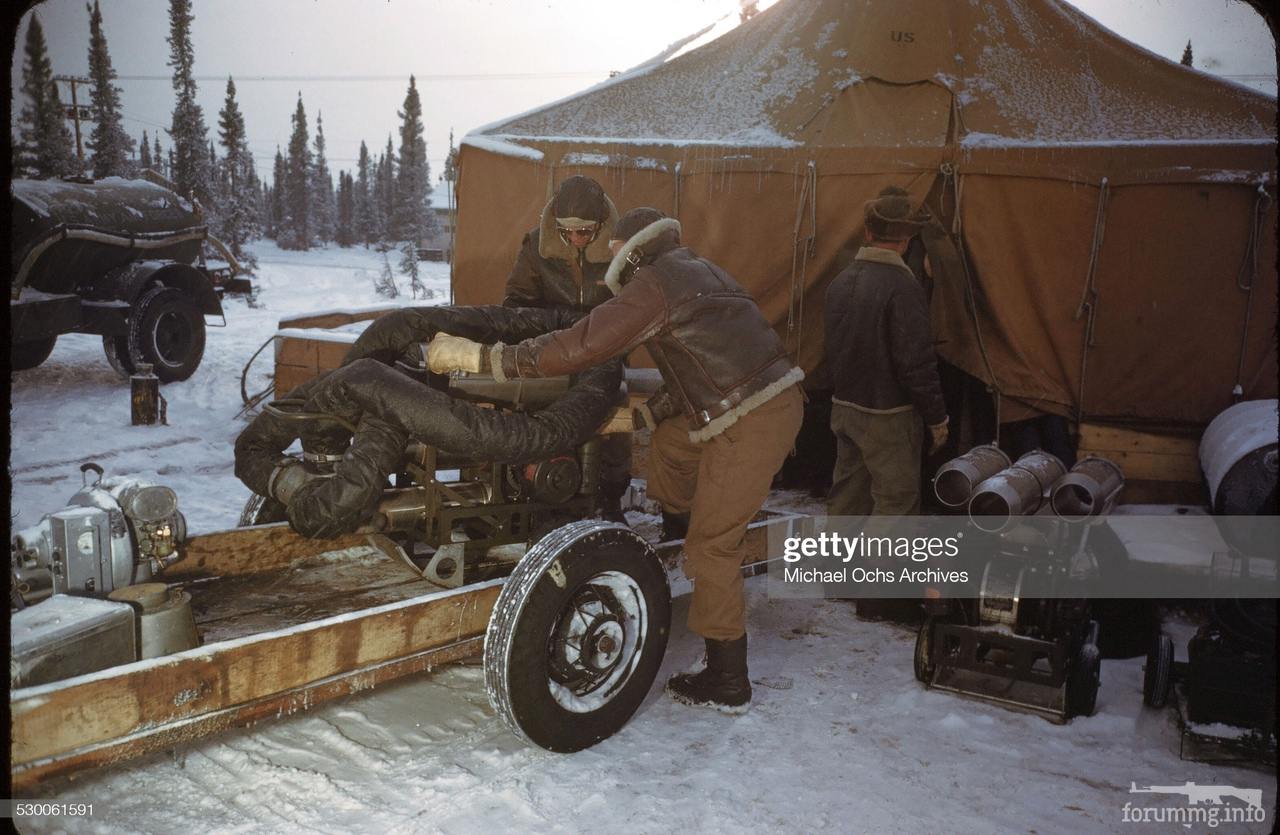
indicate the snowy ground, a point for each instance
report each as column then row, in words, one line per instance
column 841, row 737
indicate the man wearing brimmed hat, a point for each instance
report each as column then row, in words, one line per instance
column 562, row 264
column 879, row 352
column 724, row 419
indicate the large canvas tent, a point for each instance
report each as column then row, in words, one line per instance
column 1113, row 212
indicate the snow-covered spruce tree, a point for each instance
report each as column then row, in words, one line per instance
column 323, row 207
column 111, row 146
column 44, row 143
column 344, row 232
column 385, row 283
column 411, row 218
column 409, row 267
column 388, row 190
column 377, row 202
column 144, row 153
column 190, row 172
column 239, row 220
column 296, row 223
column 279, row 188
column 363, row 223
column 158, row 158
column 1187, row 57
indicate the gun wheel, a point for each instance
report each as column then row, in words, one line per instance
column 577, row 635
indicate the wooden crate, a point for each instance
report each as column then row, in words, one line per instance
column 1158, row 468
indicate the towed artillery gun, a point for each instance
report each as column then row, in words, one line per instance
column 572, row 619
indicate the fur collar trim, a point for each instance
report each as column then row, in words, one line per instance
column 551, row 246
column 613, row 277
column 881, row 256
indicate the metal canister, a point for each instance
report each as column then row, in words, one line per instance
column 165, row 623
column 144, row 395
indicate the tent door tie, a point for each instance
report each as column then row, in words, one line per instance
column 1249, row 265
column 1089, row 298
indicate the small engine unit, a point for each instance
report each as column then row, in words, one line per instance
column 112, row 534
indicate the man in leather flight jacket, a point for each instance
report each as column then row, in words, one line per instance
column 724, row 420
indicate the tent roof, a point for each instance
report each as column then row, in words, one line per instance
column 900, row 73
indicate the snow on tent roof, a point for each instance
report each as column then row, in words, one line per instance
column 1026, row 71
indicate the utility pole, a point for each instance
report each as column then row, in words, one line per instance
column 75, row 112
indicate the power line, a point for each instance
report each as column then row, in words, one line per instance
column 377, row 78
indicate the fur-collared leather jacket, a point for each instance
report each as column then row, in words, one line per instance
column 718, row 356
column 879, row 349
column 550, row 273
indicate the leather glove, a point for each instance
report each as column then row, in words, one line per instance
column 939, row 433
column 448, row 353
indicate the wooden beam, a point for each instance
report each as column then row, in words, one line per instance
column 250, row 551
column 65, row 720
column 149, row 740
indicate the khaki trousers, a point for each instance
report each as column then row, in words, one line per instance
column 877, row 469
column 722, row 483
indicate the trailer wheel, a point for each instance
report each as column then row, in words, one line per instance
column 166, row 329
column 1157, row 678
column 1082, row 684
column 577, row 635
column 923, row 661
column 29, row 354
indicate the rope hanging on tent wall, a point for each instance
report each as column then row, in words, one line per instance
column 800, row 254
column 1249, row 264
column 675, row 203
column 949, row 172
column 1089, row 298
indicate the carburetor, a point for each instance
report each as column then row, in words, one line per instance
column 112, row 534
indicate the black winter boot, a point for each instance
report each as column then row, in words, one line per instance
column 723, row 685
column 674, row 525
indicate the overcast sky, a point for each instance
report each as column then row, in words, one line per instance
column 477, row 61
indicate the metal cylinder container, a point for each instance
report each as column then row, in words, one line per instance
column 165, row 624
column 1238, row 454
column 1018, row 490
column 957, row 478
column 1089, row 490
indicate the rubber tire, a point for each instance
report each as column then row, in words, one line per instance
column 921, row 662
column 1083, row 683
column 166, row 329
column 528, row 608
column 24, row 356
column 1157, row 679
